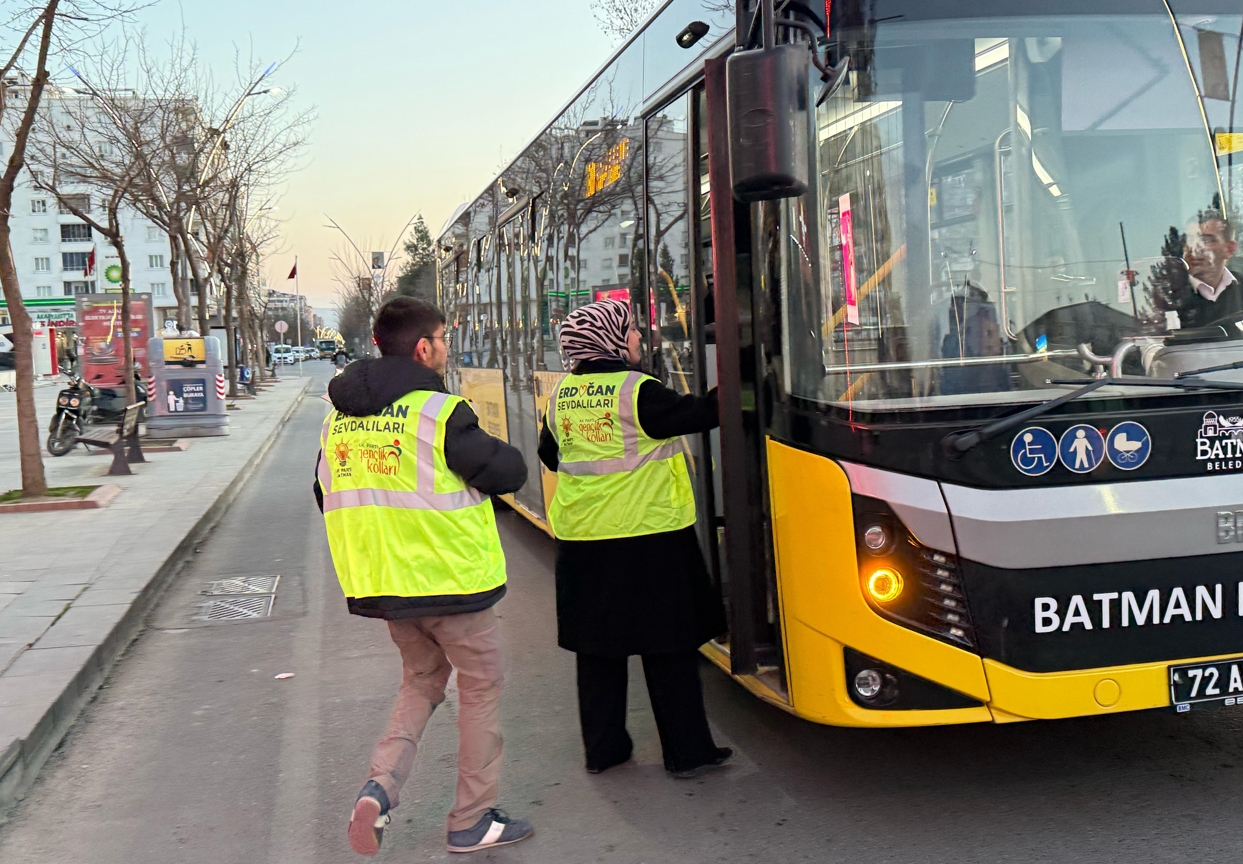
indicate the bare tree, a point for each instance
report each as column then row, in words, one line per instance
column 40, row 28
column 357, row 299
column 620, row 18
column 201, row 153
column 34, row 481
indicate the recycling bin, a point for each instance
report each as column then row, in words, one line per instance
column 185, row 396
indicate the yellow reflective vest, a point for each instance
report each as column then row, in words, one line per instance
column 613, row 479
column 400, row 523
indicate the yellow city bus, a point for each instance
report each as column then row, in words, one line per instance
column 964, row 272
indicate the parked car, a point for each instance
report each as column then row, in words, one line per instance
column 282, row 354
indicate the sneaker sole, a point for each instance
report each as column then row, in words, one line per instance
column 363, row 838
column 490, row 845
column 700, row 771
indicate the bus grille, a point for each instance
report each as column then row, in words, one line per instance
column 944, row 603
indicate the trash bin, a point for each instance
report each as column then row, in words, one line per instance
column 187, row 378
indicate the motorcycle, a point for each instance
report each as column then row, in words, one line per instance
column 80, row 404
column 73, row 407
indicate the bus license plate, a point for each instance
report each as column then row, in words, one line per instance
column 1207, row 685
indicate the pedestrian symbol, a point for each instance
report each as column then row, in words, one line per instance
column 1082, row 448
column 1033, row 451
column 1128, row 445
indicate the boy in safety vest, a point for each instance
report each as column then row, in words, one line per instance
column 403, row 477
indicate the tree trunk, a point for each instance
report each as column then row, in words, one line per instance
column 180, row 287
column 34, row 481
column 256, row 328
column 127, row 340
column 200, row 281
column 230, row 333
column 243, row 326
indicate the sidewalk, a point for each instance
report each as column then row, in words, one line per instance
column 75, row 585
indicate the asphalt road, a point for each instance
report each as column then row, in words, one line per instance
column 193, row 752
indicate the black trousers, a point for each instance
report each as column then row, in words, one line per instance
column 676, row 694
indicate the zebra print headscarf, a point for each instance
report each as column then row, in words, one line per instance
column 596, row 331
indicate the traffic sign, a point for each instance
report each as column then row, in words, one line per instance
column 281, row 326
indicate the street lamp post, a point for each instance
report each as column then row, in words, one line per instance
column 388, row 260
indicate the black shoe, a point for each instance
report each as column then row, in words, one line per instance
column 600, row 769
column 368, row 819
column 723, row 755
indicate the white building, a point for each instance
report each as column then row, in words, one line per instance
column 52, row 247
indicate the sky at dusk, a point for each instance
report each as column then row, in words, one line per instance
column 418, row 102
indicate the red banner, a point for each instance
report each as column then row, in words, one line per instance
column 100, row 337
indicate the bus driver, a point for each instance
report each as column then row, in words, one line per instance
column 1215, row 291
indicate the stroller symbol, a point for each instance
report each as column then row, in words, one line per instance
column 1129, row 445
column 1126, row 449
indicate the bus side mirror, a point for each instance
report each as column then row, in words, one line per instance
column 769, row 122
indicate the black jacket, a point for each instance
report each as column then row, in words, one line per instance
column 491, row 466
column 638, row 595
column 1198, row 311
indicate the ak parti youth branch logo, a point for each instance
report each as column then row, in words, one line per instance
column 382, row 459
column 598, row 431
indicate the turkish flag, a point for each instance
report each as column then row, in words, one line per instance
column 90, row 264
column 293, row 273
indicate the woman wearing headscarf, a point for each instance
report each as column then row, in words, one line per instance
column 630, row 575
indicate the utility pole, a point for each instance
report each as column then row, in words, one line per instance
column 297, row 306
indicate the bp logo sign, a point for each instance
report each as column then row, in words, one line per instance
column 113, row 273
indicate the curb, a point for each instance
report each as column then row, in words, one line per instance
column 101, row 497
column 20, row 765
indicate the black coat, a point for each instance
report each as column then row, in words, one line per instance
column 1198, row 311
column 638, row 595
column 366, row 387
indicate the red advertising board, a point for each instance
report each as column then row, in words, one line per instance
column 622, row 294
column 100, row 337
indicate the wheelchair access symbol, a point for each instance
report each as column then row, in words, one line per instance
column 1128, row 445
column 1033, row 451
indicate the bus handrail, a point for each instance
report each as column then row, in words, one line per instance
column 999, row 360
column 1001, row 235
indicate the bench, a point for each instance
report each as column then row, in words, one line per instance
column 119, row 439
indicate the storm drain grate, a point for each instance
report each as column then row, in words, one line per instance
column 238, row 607
column 244, row 585
column 238, row 598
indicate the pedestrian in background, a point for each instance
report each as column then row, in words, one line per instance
column 630, row 575
column 403, row 480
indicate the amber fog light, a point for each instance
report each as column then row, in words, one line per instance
column 885, row 585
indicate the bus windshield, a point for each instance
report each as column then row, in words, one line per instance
column 998, row 198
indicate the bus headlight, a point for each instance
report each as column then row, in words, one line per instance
column 885, row 585
column 876, row 538
column 906, row 582
column 868, row 683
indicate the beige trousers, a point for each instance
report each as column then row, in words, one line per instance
column 431, row 648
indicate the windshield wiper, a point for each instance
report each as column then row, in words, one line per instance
column 955, row 444
column 1225, row 367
